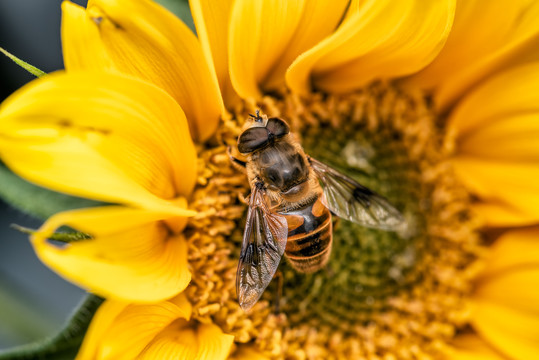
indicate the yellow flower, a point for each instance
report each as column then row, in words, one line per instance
column 433, row 104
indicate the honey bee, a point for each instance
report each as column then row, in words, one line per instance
column 292, row 198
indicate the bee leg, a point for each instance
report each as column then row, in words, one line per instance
column 279, row 292
column 244, row 199
column 238, row 164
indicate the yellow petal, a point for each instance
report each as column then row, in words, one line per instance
column 513, row 250
column 512, row 288
column 123, row 334
column 189, row 341
column 80, row 38
column 514, row 136
column 102, row 320
column 318, row 20
column 143, row 39
column 506, row 303
column 211, row 20
column 487, row 36
column 266, row 37
column 506, row 312
column 497, row 213
column 136, row 327
column 501, row 184
column 512, row 262
column 501, row 99
column 259, row 34
column 101, row 136
column 495, row 131
column 471, row 347
column 378, row 39
column 131, row 255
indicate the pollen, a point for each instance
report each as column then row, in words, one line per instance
column 383, row 295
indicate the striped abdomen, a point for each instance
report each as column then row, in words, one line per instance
column 309, row 236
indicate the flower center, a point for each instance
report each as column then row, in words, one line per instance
column 367, row 266
column 398, row 293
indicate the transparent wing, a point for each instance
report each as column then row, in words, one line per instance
column 264, row 242
column 352, row 201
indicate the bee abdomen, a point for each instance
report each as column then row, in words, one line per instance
column 309, row 245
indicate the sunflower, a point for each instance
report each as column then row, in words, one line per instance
column 432, row 104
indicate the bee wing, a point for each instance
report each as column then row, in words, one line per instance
column 352, row 201
column 263, row 245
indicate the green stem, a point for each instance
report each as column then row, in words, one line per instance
column 30, row 68
column 65, row 344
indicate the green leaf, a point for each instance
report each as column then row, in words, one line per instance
column 31, row 69
column 65, row 344
column 35, row 200
column 181, row 9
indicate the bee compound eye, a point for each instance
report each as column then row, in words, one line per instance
column 252, row 139
column 277, row 127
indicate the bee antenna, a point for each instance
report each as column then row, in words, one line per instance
column 256, row 117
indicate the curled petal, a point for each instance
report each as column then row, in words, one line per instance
column 378, row 39
column 101, row 136
column 259, row 33
column 318, row 20
column 130, row 255
column 211, row 20
column 143, row 39
column 266, row 37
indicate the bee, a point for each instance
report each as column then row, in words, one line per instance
column 292, row 199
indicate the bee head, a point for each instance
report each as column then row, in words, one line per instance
column 261, row 133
